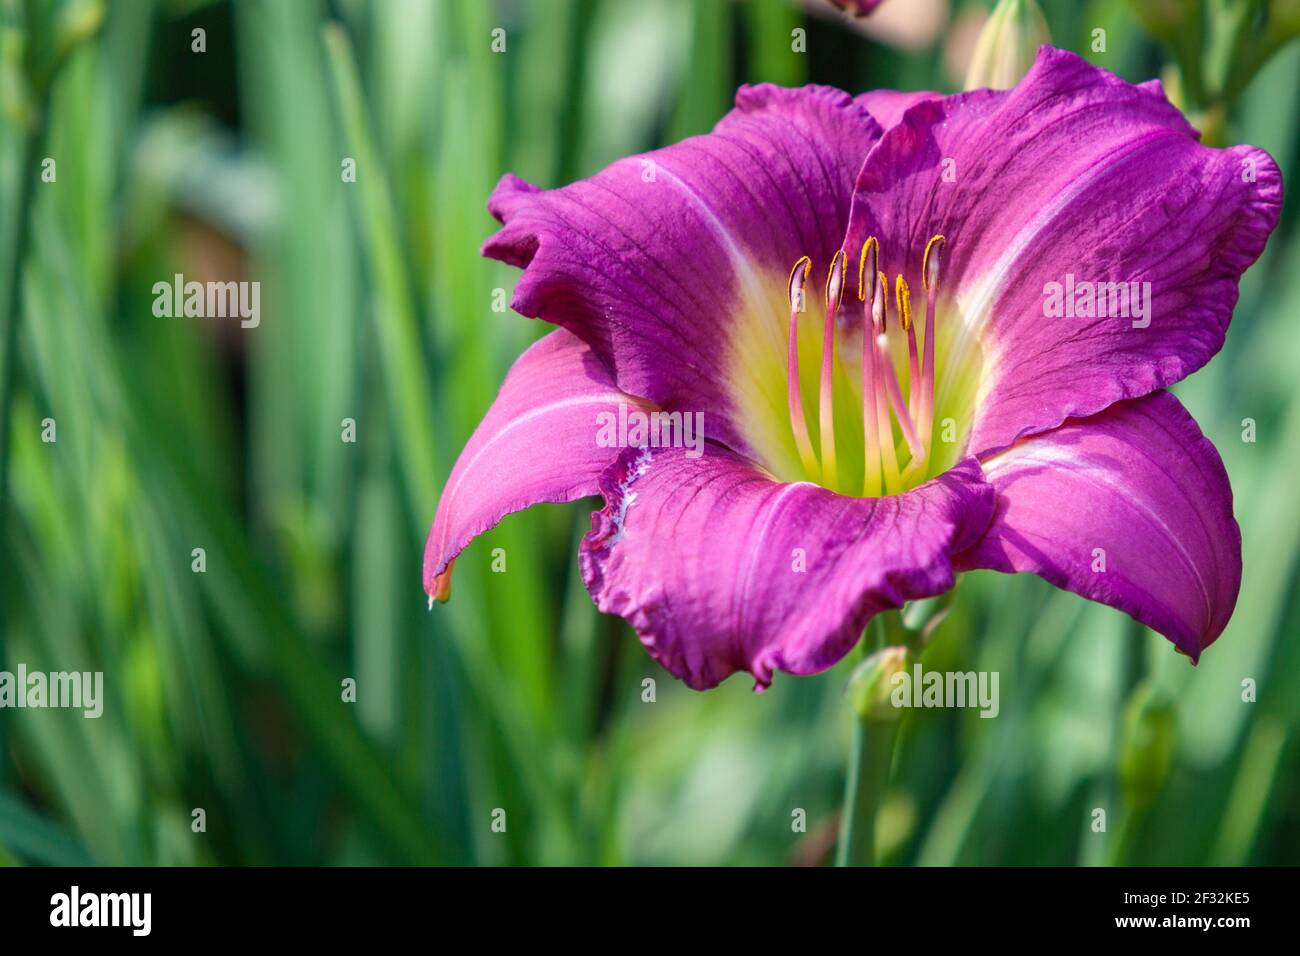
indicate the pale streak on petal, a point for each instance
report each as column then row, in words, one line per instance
column 744, row 268
column 602, row 401
column 1062, row 458
column 974, row 309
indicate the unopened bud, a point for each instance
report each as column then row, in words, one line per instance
column 77, row 20
column 872, row 684
column 1007, row 45
column 1146, row 748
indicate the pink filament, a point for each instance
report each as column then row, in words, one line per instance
column 798, row 422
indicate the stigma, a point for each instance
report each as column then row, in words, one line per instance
column 897, row 415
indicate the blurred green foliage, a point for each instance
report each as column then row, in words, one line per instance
column 224, row 688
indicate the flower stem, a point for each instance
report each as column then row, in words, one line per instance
column 869, row 761
column 868, row 774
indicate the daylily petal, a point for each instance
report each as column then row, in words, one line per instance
column 720, row 568
column 1131, row 508
column 653, row 260
column 538, row 442
column 1073, row 173
column 888, row 106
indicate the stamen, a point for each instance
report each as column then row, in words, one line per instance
column 798, row 422
column 834, row 293
column 930, row 274
column 931, row 263
column 881, row 318
column 867, row 266
column 904, row 297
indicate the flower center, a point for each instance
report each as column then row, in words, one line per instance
column 902, row 441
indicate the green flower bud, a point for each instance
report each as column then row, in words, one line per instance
column 51, row 30
column 871, row 685
column 1007, row 45
column 77, row 20
column 1146, row 750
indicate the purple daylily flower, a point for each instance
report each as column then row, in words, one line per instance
column 859, row 455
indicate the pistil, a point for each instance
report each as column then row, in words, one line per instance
column 894, row 393
column 904, row 299
column 879, row 313
column 868, row 280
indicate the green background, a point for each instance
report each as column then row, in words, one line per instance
column 223, row 689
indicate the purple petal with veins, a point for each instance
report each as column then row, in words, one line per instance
column 1131, row 508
